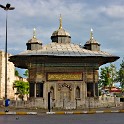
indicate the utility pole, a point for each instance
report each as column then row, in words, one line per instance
column 6, row 8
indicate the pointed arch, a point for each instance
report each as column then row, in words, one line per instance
column 77, row 92
column 52, row 92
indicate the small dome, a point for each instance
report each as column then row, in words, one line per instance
column 34, row 43
column 34, row 39
column 61, row 32
column 92, row 44
column 92, row 41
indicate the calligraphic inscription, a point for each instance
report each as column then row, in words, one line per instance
column 64, row 76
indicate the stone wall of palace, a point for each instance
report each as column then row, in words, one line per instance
column 10, row 77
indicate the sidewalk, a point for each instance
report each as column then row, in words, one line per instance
column 17, row 111
column 35, row 111
column 88, row 111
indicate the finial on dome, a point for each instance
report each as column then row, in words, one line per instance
column 60, row 19
column 34, row 33
column 91, row 33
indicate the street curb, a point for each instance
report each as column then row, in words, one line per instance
column 86, row 112
column 18, row 113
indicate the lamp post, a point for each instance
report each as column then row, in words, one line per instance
column 6, row 8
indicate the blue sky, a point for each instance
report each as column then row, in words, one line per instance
column 106, row 17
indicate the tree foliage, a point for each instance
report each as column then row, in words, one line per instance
column 121, row 74
column 22, row 88
column 104, row 77
column 112, row 75
column 16, row 73
column 26, row 74
column 108, row 76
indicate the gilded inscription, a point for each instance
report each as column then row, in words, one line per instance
column 64, row 76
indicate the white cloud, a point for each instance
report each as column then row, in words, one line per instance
column 116, row 11
column 105, row 17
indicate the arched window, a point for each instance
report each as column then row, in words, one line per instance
column 52, row 92
column 77, row 92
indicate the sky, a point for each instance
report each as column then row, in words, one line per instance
column 105, row 17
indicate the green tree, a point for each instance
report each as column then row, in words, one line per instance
column 104, row 77
column 26, row 74
column 112, row 75
column 121, row 75
column 108, row 76
column 22, row 88
column 16, row 73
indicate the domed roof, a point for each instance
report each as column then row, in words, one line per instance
column 34, row 39
column 61, row 31
column 92, row 40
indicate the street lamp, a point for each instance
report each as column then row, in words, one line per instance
column 6, row 8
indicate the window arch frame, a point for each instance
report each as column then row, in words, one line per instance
column 52, row 92
column 77, row 92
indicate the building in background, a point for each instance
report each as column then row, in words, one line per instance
column 10, row 77
column 68, row 70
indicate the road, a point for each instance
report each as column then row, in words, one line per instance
column 105, row 118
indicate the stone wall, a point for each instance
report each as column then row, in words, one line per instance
column 10, row 77
column 89, row 103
